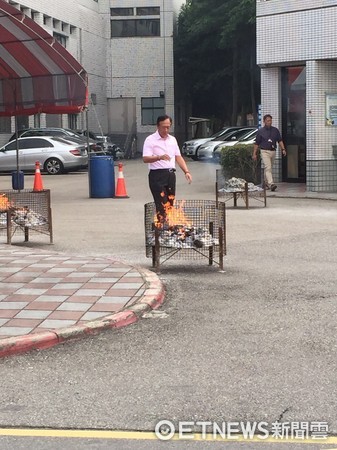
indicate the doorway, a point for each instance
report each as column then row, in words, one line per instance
column 294, row 123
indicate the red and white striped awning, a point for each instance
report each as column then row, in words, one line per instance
column 37, row 74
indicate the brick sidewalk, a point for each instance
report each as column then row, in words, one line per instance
column 42, row 291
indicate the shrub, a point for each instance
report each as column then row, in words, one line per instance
column 237, row 161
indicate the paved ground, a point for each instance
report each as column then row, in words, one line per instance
column 43, row 293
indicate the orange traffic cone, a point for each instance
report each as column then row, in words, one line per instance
column 121, row 189
column 38, row 185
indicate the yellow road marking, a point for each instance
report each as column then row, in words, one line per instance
column 148, row 435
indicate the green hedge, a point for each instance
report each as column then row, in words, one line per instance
column 237, row 161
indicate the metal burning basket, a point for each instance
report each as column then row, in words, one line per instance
column 193, row 229
column 25, row 210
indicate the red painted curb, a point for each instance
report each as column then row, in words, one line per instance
column 21, row 344
column 154, row 296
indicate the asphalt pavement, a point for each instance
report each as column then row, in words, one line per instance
column 256, row 342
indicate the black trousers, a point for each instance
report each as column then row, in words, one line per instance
column 162, row 184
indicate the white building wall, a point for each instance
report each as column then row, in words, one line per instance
column 302, row 32
column 124, row 67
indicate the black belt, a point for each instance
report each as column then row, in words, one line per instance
column 163, row 170
column 269, row 149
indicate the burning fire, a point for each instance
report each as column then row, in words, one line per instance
column 174, row 215
column 4, row 202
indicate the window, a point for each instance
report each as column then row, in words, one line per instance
column 132, row 27
column 152, row 107
column 121, row 11
column 72, row 121
column 5, row 124
column 150, row 11
column 61, row 39
column 137, row 27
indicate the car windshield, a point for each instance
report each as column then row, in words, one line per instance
column 233, row 135
column 247, row 137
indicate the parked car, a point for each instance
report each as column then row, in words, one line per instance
column 190, row 148
column 206, row 150
column 109, row 148
column 247, row 139
column 55, row 154
column 95, row 146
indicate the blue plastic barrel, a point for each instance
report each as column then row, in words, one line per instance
column 101, row 176
column 17, row 180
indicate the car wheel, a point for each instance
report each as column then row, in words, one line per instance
column 195, row 157
column 53, row 166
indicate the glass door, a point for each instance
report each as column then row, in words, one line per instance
column 294, row 123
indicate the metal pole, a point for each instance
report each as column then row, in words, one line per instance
column 17, row 152
column 88, row 145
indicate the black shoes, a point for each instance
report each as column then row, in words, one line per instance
column 273, row 187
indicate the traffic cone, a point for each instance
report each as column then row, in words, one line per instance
column 121, row 189
column 38, row 185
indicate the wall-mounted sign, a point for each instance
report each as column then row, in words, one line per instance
column 331, row 109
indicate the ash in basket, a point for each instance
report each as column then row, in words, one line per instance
column 25, row 210
column 180, row 236
column 24, row 217
column 238, row 185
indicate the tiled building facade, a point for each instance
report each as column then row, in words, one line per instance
column 126, row 47
column 297, row 53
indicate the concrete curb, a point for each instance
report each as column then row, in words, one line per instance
column 152, row 298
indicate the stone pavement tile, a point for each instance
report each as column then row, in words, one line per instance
column 56, row 323
column 3, row 321
column 109, row 307
column 52, row 298
column 19, row 278
column 11, row 305
column 8, row 270
column 31, row 291
column 82, row 299
column 138, row 280
column 80, row 275
column 14, row 331
column 2, row 297
column 120, row 285
column 33, row 314
column 64, row 315
column 91, row 292
column 121, row 292
column 28, row 323
column 109, row 275
column 92, row 316
column 63, row 292
column 107, row 299
column 90, row 285
column 8, row 313
column 103, row 280
column 46, row 280
column 63, row 270
column 68, row 306
column 37, row 270
column 67, row 286
column 76, row 279
column 21, row 297
column 44, row 306
column 39, row 286
column 116, row 270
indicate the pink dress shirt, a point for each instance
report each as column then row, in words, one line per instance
column 156, row 145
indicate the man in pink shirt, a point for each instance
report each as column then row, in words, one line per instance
column 161, row 152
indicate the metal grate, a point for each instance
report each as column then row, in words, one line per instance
column 25, row 210
column 193, row 229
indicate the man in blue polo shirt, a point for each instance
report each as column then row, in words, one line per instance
column 266, row 139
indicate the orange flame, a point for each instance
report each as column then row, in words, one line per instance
column 174, row 214
column 4, row 202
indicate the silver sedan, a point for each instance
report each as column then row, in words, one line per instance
column 55, row 155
